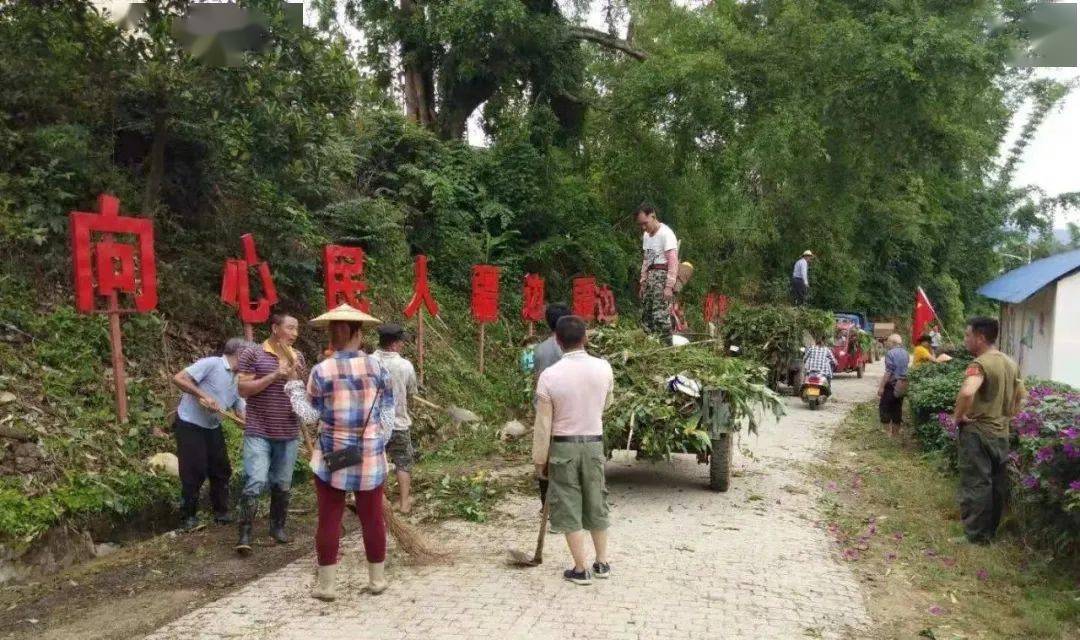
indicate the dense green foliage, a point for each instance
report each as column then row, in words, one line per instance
column 864, row 130
column 774, row 335
column 933, row 388
column 657, row 422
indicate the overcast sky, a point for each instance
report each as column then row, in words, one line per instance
column 1052, row 159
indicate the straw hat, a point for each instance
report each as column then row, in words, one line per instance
column 345, row 313
column 808, row 253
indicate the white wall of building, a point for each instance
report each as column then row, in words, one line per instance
column 1028, row 333
column 1066, row 364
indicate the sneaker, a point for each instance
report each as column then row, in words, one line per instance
column 223, row 518
column 582, row 577
column 601, row 570
column 189, row 523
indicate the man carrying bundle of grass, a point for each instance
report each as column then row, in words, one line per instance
column 568, row 447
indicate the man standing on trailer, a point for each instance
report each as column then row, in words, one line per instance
column 800, row 278
column 659, row 271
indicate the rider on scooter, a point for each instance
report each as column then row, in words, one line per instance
column 820, row 358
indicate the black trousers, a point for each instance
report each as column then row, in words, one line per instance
column 799, row 291
column 984, row 482
column 202, row 456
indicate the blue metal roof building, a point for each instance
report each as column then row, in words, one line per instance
column 1040, row 316
column 1020, row 284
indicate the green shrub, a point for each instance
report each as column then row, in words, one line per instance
column 773, row 335
column 933, row 388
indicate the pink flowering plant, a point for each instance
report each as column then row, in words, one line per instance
column 1045, row 446
column 1047, row 449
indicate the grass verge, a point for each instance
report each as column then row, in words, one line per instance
column 893, row 511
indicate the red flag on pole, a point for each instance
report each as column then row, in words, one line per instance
column 923, row 315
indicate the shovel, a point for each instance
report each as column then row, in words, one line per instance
column 520, row 558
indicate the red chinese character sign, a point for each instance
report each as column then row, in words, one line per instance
column 106, row 268
column 532, row 301
column 606, row 311
column 485, row 300
column 236, row 287
column 716, row 307
column 583, row 297
column 421, row 298
column 344, row 277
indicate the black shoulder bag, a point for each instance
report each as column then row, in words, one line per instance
column 349, row 456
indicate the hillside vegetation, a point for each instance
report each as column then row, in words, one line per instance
column 866, row 131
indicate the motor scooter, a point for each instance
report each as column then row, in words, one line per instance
column 816, row 389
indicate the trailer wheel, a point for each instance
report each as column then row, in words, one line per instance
column 860, row 370
column 720, row 463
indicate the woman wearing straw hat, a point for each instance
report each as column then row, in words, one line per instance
column 353, row 394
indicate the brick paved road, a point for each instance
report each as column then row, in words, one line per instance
column 687, row 563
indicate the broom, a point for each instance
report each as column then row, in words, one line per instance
column 410, row 541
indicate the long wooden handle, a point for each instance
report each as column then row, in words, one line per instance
column 427, row 403
column 227, row 414
column 538, row 555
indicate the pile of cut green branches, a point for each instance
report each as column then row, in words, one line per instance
column 657, row 422
column 773, row 335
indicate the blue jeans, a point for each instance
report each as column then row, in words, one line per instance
column 268, row 462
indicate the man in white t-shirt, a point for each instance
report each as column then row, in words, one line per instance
column 659, row 270
column 399, row 449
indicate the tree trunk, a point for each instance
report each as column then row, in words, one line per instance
column 418, row 77
column 461, row 96
column 156, row 171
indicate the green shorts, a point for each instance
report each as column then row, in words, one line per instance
column 577, row 491
column 400, row 450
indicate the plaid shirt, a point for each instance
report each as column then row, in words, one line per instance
column 343, row 389
column 819, row 359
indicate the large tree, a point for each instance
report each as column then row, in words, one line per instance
column 455, row 55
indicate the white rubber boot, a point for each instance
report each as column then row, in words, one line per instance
column 376, row 580
column 325, row 583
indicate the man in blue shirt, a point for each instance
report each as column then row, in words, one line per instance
column 893, row 385
column 209, row 387
column 800, row 278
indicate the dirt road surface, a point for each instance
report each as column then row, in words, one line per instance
column 688, row 563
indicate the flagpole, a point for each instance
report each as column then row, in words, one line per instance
column 940, row 324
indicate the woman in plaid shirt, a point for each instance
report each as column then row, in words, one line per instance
column 820, row 358
column 353, row 394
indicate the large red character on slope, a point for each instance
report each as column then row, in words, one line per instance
column 236, row 285
column 532, row 299
column 107, row 267
column 344, row 277
column 583, row 298
column 421, row 297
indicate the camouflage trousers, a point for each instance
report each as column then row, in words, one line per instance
column 655, row 311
